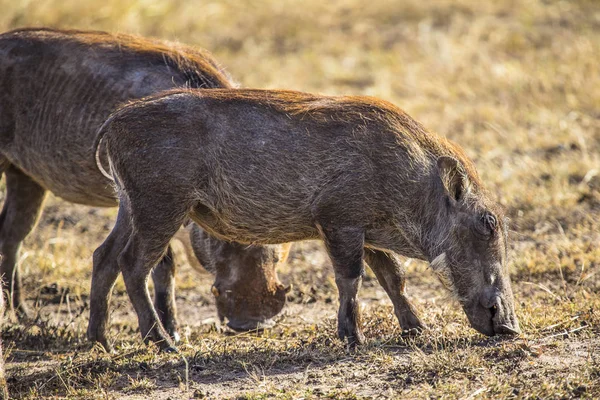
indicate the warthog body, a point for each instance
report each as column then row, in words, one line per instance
column 56, row 89
column 264, row 167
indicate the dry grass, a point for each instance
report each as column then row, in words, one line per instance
column 514, row 82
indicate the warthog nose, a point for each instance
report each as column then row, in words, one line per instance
column 490, row 301
column 500, row 316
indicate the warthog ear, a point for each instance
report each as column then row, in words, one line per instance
column 454, row 178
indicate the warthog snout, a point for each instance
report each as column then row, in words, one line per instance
column 504, row 320
column 493, row 314
column 248, row 307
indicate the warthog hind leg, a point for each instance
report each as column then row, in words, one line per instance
column 155, row 226
column 163, row 276
column 345, row 247
column 22, row 207
column 104, row 275
column 391, row 276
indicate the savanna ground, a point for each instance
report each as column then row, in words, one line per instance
column 516, row 83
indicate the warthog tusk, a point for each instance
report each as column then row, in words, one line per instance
column 509, row 329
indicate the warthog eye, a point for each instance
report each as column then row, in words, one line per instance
column 487, row 224
column 490, row 221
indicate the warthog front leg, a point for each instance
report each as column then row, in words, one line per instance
column 345, row 247
column 104, row 275
column 22, row 207
column 390, row 274
column 163, row 276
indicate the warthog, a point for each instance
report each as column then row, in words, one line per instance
column 57, row 87
column 259, row 166
column 247, row 290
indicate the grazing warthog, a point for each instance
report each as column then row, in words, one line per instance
column 259, row 166
column 247, row 289
column 56, row 89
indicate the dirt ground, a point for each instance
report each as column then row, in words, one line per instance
column 516, row 83
column 557, row 356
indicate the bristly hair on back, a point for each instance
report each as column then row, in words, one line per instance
column 356, row 110
column 359, row 110
column 200, row 68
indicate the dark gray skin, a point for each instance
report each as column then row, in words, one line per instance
column 265, row 167
column 56, row 90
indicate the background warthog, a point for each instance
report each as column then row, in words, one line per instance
column 57, row 87
column 265, row 167
column 247, row 289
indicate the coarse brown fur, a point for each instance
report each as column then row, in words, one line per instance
column 265, row 167
column 56, row 89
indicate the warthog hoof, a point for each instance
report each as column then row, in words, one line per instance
column 411, row 324
column 411, row 332
column 164, row 343
column 103, row 342
column 354, row 336
column 22, row 312
column 356, row 340
column 170, row 349
column 97, row 334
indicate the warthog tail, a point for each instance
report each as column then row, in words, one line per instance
column 98, row 142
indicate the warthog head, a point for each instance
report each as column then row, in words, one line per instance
column 471, row 253
column 247, row 290
column 249, row 293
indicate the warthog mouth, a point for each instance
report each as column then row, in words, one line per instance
column 244, row 326
column 490, row 328
column 506, row 330
column 504, row 320
column 499, row 319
